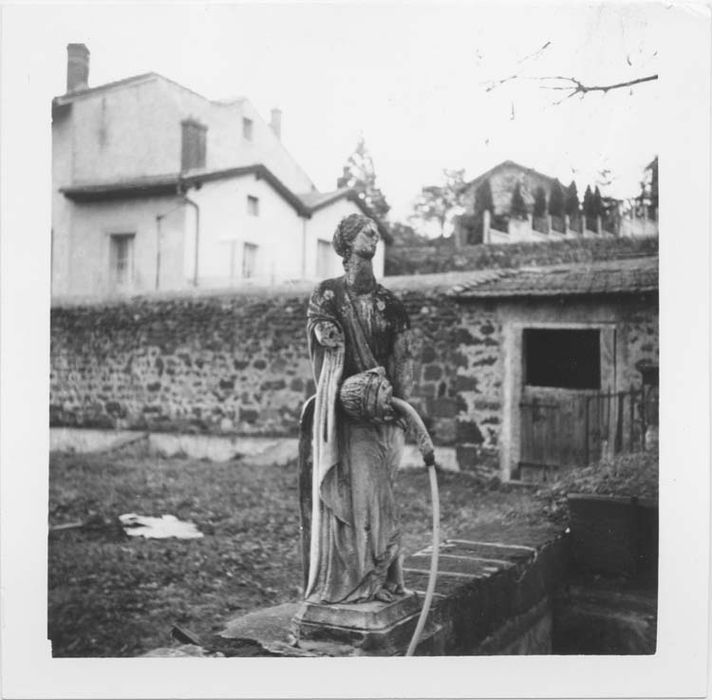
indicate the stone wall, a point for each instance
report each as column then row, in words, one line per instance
column 444, row 257
column 237, row 364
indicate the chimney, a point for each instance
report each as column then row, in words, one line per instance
column 77, row 67
column 276, row 122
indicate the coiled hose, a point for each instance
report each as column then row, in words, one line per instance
column 425, row 445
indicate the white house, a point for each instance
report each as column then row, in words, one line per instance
column 158, row 188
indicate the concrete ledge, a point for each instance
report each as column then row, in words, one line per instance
column 493, row 597
column 494, row 587
column 255, row 451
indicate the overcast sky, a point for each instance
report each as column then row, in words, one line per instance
column 411, row 77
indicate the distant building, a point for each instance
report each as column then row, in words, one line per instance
column 498, row 225
column 158, row 188
column 503, row 179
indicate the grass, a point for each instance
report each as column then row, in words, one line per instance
column 111, row 595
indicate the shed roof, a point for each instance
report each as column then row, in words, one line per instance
column 623, row 276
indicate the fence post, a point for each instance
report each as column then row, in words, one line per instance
column 586, row 432
column 599, row 225
column 486, row 226
column 632, row 420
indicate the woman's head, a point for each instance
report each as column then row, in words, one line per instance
column 346, row 232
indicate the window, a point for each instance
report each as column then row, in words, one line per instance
column 562, row 358
column 122, row 260
column 247, row 128
column 249, row 260
column 323, row 259
column 253, row 206
column 193, row 145
column 234, row 250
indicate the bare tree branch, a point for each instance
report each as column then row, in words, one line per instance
column 572, row 85
column 576, row 87
column 535, row 54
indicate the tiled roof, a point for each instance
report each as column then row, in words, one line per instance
column 315, row 200
column 603, row 277
column 304, row 204
column 169, row 184
column 70, row 97
column 506, row 163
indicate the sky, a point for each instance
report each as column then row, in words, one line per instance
column 411, row 77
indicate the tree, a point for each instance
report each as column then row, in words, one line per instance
column 588, row 207
column 597, row 204
column 404, row 235
column 539, row 203
column 483, row 198
column 654, row 183
column 359, row 174
column 441, row 202
column 592, row 206
column 572, row 86
column 569, row 85
column 649, row 185
column 556, row 199
column 518, row 207
column 571, row 204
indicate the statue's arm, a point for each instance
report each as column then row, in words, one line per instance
column 319, row 314
column 402, row 365
column 328, row 334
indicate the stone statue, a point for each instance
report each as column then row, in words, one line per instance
column 351, row 537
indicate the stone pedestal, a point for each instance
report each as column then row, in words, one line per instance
column 374, row 628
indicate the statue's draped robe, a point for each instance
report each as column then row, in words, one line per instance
column 355, row 534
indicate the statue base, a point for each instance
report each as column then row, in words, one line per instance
column 375, row 628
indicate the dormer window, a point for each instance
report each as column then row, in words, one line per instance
column 247, row 128
column 193, row 144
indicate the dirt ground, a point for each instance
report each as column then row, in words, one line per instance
column 114, row 595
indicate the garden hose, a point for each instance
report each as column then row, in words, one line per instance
column 425, row 445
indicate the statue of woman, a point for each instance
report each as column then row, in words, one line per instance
column 351, row 533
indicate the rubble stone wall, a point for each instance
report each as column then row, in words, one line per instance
column 238, row 364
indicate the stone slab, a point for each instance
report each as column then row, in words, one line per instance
column 265, row 624
column 270, row 628
column 376, row 628
column 374, row 615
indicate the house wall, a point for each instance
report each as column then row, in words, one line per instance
column 286, row 242
column 502, row 182
column 135, row 130
column 224, row 220
column 61, row 206
column 88, row 269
